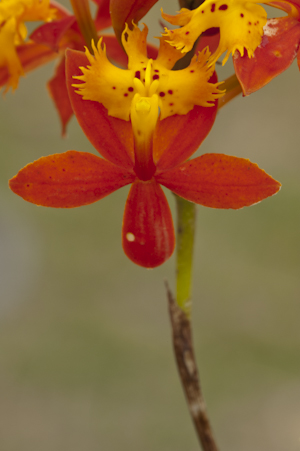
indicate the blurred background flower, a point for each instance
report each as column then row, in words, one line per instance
column 86, row 359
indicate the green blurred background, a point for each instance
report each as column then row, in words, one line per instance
column 86, row 361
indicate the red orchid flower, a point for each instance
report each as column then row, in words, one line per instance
column 73, row 179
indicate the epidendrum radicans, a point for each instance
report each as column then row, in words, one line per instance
column 146, row 110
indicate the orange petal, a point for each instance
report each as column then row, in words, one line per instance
column 68, row 180
column 148, row 232
column 220, row 181
column 113, row 138
column 275, row 54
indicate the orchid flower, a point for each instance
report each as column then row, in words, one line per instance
column 119, row 112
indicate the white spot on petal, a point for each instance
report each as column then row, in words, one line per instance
column 130, row 237
column 270, row 29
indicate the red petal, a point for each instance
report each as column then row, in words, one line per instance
column 59, row 93
column 274, row 55
column 102, row 19
column 114, row 51
column 148, row 232
column 126, row 11
column 67, row 180
column 220, row 181
column 113, row 138
column 178, row 137
column 210, row 39
column 51, row 33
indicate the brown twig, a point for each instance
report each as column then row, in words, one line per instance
column 186, row 363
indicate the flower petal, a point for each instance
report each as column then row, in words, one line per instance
column 59, row 93
column 105, row 83
column 112, row 137
column 275, row 54
column 178, row 137
column 148, row 232
column 102, row 19
column 248, row 19
column 68, row 180
column 51, row 33
column 181, row 90
column 220, row 181
column 128, row 11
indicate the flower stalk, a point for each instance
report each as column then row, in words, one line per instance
column 186, row 218
column 85, row 21
column 187, row 367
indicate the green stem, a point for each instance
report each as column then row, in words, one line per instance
column 186, row 218
column 85, row 21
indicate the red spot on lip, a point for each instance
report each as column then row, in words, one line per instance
column 187, row 32
column 202, row 11
column 155, row 77
column 130, row 89
column 170, row 92
column 137, row 74
column 223, row 7
column 242, row 15
column 156, row 70
column 114, row 87
column 213, row 7
column 171, row 104
column 162, row 94
column 191, row 71
column 249, row 23
column 126, row 94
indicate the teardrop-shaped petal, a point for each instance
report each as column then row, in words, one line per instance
column 178, row 137
column 220, row 181
column 128, row 11
column 275, row 54
column 113, row 138
column 68, row 180
column 59, row 93
column 148, row 232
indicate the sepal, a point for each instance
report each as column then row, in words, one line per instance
column 68, row 180
column 220, row 181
